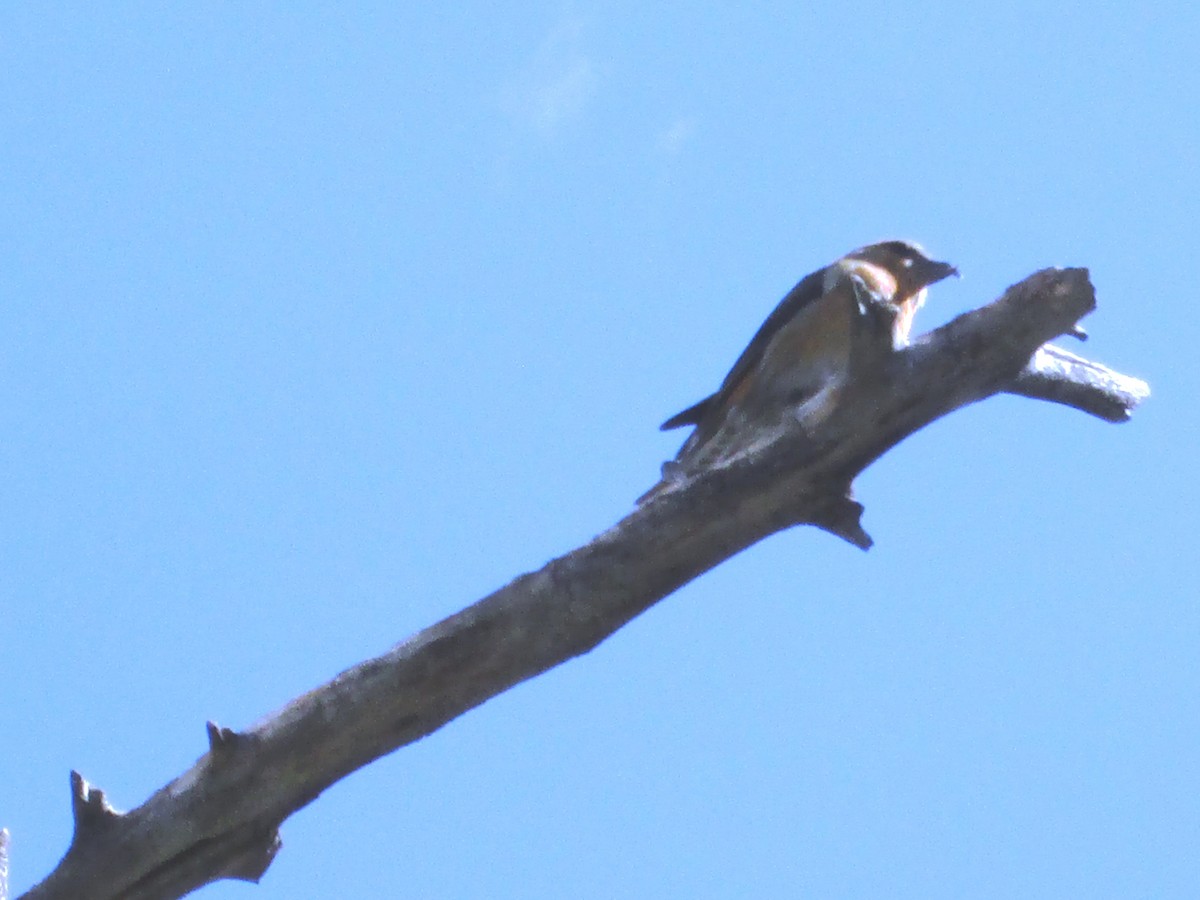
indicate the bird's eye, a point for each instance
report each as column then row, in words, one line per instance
column 907, row 262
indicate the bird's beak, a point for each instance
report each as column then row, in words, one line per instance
column 933, row 272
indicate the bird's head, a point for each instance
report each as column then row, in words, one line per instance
column 906, row 262
column 896, row 273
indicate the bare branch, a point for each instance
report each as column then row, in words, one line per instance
column 3, row 864
column 1060, row 376
column 220, row 818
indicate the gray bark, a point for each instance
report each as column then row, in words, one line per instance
column 220, row 818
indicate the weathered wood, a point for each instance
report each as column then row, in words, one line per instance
column 220, row 818
column 3, row 864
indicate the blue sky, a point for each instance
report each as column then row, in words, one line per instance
column 319, row 324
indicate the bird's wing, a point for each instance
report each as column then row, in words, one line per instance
column 807, row 291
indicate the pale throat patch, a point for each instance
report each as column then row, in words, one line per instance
column 876, row 279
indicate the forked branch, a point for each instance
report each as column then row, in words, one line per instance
column 220, row 818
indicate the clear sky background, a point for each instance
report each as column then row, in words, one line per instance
column 319, row 323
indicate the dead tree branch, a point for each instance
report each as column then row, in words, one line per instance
column 3, row 864
column 220, row 819
column 1060, row 376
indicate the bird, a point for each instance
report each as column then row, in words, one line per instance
column 799, row 359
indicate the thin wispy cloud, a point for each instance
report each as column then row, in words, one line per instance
column 554, row 88
column 671, row 140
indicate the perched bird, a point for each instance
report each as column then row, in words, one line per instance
column 799, row 359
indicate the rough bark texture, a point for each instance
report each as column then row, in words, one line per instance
column 220, row 818
column 3, row 864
